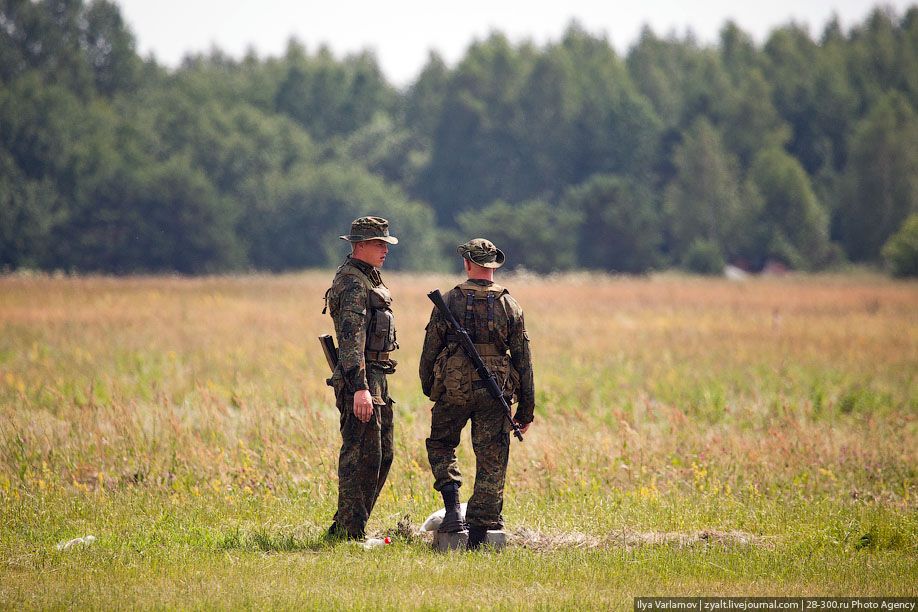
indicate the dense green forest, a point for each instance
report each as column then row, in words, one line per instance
column 800, row 150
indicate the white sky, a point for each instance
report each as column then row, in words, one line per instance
column 402, row 32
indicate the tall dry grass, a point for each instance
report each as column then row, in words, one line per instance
column 655, row 386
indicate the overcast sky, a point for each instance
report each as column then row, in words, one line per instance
column 402, row 32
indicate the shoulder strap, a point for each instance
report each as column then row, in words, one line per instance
column 491, row 315
column 352, row 271
column 349, row 270
column 492, row 293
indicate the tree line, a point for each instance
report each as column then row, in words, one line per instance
column 800, row 150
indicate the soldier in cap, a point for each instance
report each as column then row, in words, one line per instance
column 361, row 308
column 494, row 320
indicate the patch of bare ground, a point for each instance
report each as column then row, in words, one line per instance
column 628, row 539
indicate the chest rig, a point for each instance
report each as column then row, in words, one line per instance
column 475, row 310
column 380, row 321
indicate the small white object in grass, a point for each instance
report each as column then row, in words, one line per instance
column 84, row 541
column 433, row 521
column 373, row 543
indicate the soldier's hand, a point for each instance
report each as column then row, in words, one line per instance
column 363, row 405
column 524, row 428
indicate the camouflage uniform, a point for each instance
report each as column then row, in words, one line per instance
column 448, row 379
column 359, row 301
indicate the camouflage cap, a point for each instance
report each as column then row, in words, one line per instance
column 370, row 228
column 482, row 252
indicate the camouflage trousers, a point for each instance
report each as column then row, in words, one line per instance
column 365, row 457
column 491, row 443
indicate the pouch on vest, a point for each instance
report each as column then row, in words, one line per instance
column 455, row 376
column 381, row 335
column 508, row 379
column 457, row 379
column 438, row 388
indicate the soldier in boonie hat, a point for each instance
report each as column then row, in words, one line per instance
column 494, row 322
column 482, row 252
column 361, row 309
column 370, row 228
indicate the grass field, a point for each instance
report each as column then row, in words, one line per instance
column 692, row 437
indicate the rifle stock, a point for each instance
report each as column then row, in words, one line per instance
column 469, row 347
column 329, row 350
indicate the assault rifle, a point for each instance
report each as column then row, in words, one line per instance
column 466, row 343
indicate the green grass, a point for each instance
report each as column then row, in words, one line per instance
column 239, row 551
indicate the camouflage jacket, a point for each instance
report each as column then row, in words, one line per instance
column 509, row 334
column 348, row 303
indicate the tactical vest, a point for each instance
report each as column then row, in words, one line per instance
column 455, row 378
column 475, row 312
column 380, row 322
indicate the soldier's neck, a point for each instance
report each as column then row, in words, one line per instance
column 485, row 274
column 362, row 263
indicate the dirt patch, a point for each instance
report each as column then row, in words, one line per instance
column 626, row 538
column 528, row 538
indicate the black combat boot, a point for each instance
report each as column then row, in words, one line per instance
column 334, row 533
column 337, row 532
column 452, row 521
column 477, row 537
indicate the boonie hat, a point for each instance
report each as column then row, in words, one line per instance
column 482, row 252
column 370, row 228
